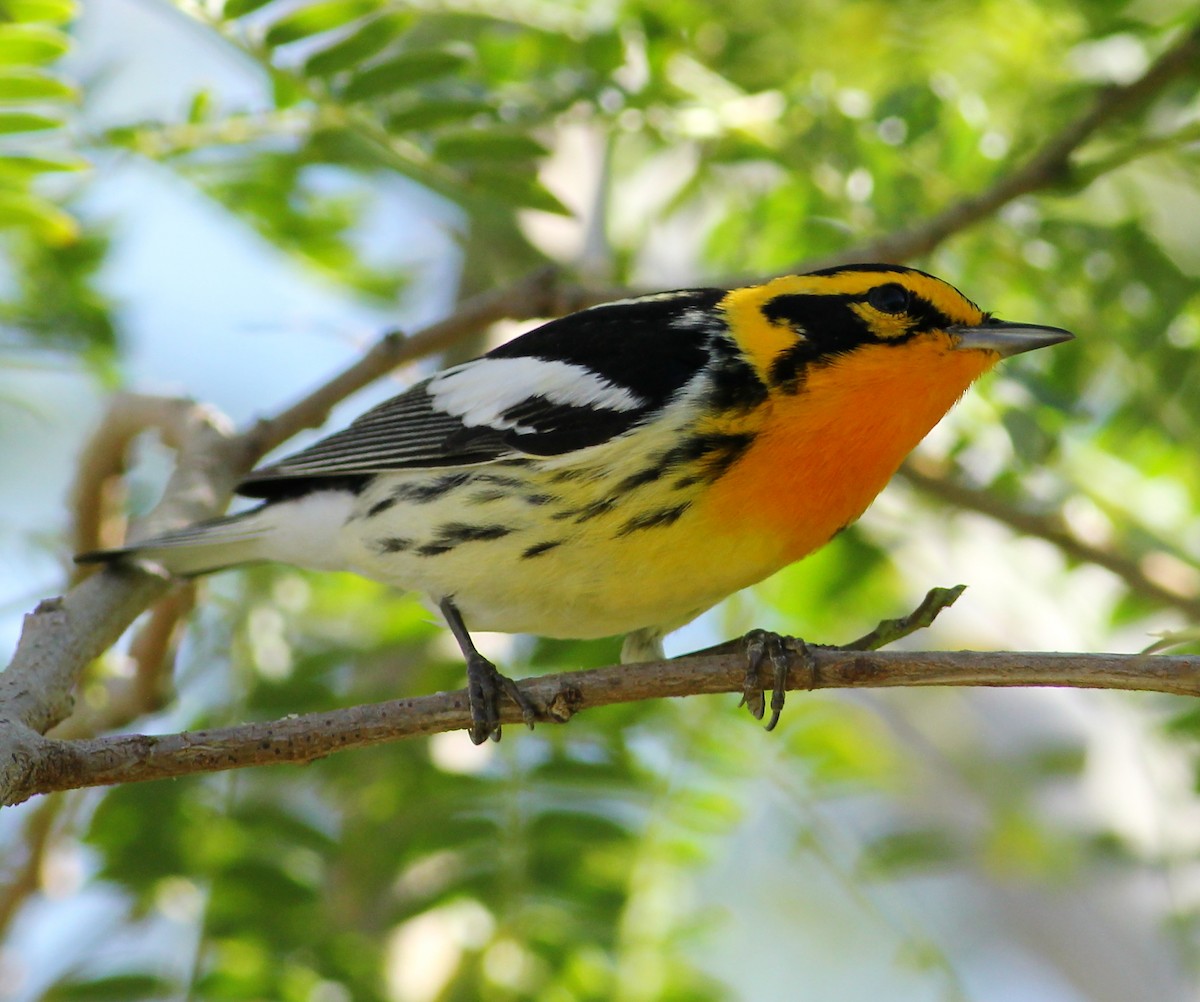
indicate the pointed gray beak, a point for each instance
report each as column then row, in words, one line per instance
column 1006, row 338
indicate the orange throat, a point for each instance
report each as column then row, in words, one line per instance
column 825, row 452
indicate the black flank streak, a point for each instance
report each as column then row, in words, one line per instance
column 714, row 454
column 498, row 480
column 539, row 548
column 596, row 509
column 587, row 512
column 538, row 499
column 646, row 476
column 654, row 519
column 379, row 507
column 453, row 533
column 431, row 491
column 393, row 544
column 483, row 497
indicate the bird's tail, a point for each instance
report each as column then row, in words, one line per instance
column 200, row 548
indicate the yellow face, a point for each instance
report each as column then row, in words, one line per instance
column 799, row 319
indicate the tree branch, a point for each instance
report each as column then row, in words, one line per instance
column 136, row 757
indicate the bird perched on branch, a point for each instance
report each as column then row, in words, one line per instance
column 624, row 468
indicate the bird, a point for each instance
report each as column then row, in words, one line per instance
column 621, row 469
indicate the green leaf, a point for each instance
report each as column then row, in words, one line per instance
column 518, row 189
column 493, row 144
column 1186, row 723
column 317, row 18
column 46, row 11
column 359, row 46
column 140, row 833
column 907, row 851
column 427, row 114
column 31, row 44
column 26, row 121
column 201, row 106
column 32, row 85
column 403, row 71
column 25, row 167
column 116, row 987
column 240, row 8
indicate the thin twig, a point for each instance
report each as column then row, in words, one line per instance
column 890, row 630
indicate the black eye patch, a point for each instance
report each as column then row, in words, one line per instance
column 889, row 298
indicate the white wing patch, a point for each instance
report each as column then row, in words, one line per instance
column 479, row 393
column 697, row 319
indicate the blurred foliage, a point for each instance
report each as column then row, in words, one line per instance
column 50, row 296
column 564, row 864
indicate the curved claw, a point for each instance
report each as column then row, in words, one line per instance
column 484, row 685
column 781, row 652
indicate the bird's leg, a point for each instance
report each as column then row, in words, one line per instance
column 484, row 683
column 763, row 645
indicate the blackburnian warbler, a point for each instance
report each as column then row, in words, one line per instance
column 624, row 468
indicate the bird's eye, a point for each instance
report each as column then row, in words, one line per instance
column 890, row 298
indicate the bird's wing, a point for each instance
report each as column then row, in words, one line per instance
column 572, row 383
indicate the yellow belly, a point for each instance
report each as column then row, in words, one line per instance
column 570, row 547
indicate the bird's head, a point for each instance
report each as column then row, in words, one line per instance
column 875, row 319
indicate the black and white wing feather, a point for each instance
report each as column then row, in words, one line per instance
column 575, row 382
